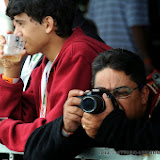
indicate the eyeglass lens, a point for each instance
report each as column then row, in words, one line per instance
column 122, row 92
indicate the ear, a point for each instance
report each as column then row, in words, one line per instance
column 49, row 24
column 144, row 95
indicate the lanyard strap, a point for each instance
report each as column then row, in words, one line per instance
column 44, row 81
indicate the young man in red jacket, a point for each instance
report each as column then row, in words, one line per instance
column 46, row 26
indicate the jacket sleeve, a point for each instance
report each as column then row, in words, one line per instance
column 47, row 142
column 11, row 101
column 120, row 133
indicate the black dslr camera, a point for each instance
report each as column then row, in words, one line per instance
column 92, row 102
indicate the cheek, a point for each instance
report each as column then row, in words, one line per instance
column 125, row 105
column 30, row 45
column 131, row 106
column 31, row 39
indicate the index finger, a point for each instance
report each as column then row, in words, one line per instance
column 75, row 92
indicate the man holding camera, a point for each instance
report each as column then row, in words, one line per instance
column 130, row 123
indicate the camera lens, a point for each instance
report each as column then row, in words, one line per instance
column 93, row 104
column 88, row 104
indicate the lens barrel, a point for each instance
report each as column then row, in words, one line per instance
column 93, row 104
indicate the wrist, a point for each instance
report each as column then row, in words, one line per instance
column 10, row 80
column 12, row 72
column 65, row 133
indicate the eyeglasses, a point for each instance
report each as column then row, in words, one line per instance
column 122, row 92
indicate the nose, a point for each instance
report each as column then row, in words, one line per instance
column 18, row 33
column 17, row 30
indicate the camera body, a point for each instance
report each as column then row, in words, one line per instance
column 93, row 102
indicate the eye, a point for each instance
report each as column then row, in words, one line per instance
column 121, row 93
column 116, row 93
column 20, row 24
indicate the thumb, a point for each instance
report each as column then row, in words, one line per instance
column 108, row 102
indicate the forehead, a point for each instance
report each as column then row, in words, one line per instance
column 110, row 79
column 22, row 16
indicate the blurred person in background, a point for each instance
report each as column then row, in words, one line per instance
column 123, row 24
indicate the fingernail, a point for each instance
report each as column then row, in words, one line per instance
column 105, row 95
column 81, row 92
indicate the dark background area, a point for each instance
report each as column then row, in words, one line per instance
column 154, row 32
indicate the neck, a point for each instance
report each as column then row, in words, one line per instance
column 53, row 47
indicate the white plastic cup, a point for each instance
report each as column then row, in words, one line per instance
column 13, row 48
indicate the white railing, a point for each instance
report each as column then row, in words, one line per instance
column 4, row 149
column 95, row 153
column 110, row 154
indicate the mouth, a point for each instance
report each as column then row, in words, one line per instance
column 25, row 44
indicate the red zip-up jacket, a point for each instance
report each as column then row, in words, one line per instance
column 72, row 71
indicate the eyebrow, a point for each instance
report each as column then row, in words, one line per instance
column 18, row 21
column 121, row 87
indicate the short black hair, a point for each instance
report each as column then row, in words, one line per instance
column 62, row 11
column 121, row 60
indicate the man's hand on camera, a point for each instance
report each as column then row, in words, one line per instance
column 72, row 114
column 92, row 122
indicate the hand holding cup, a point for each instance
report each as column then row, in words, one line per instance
column 11, row 53
column 13, row 48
